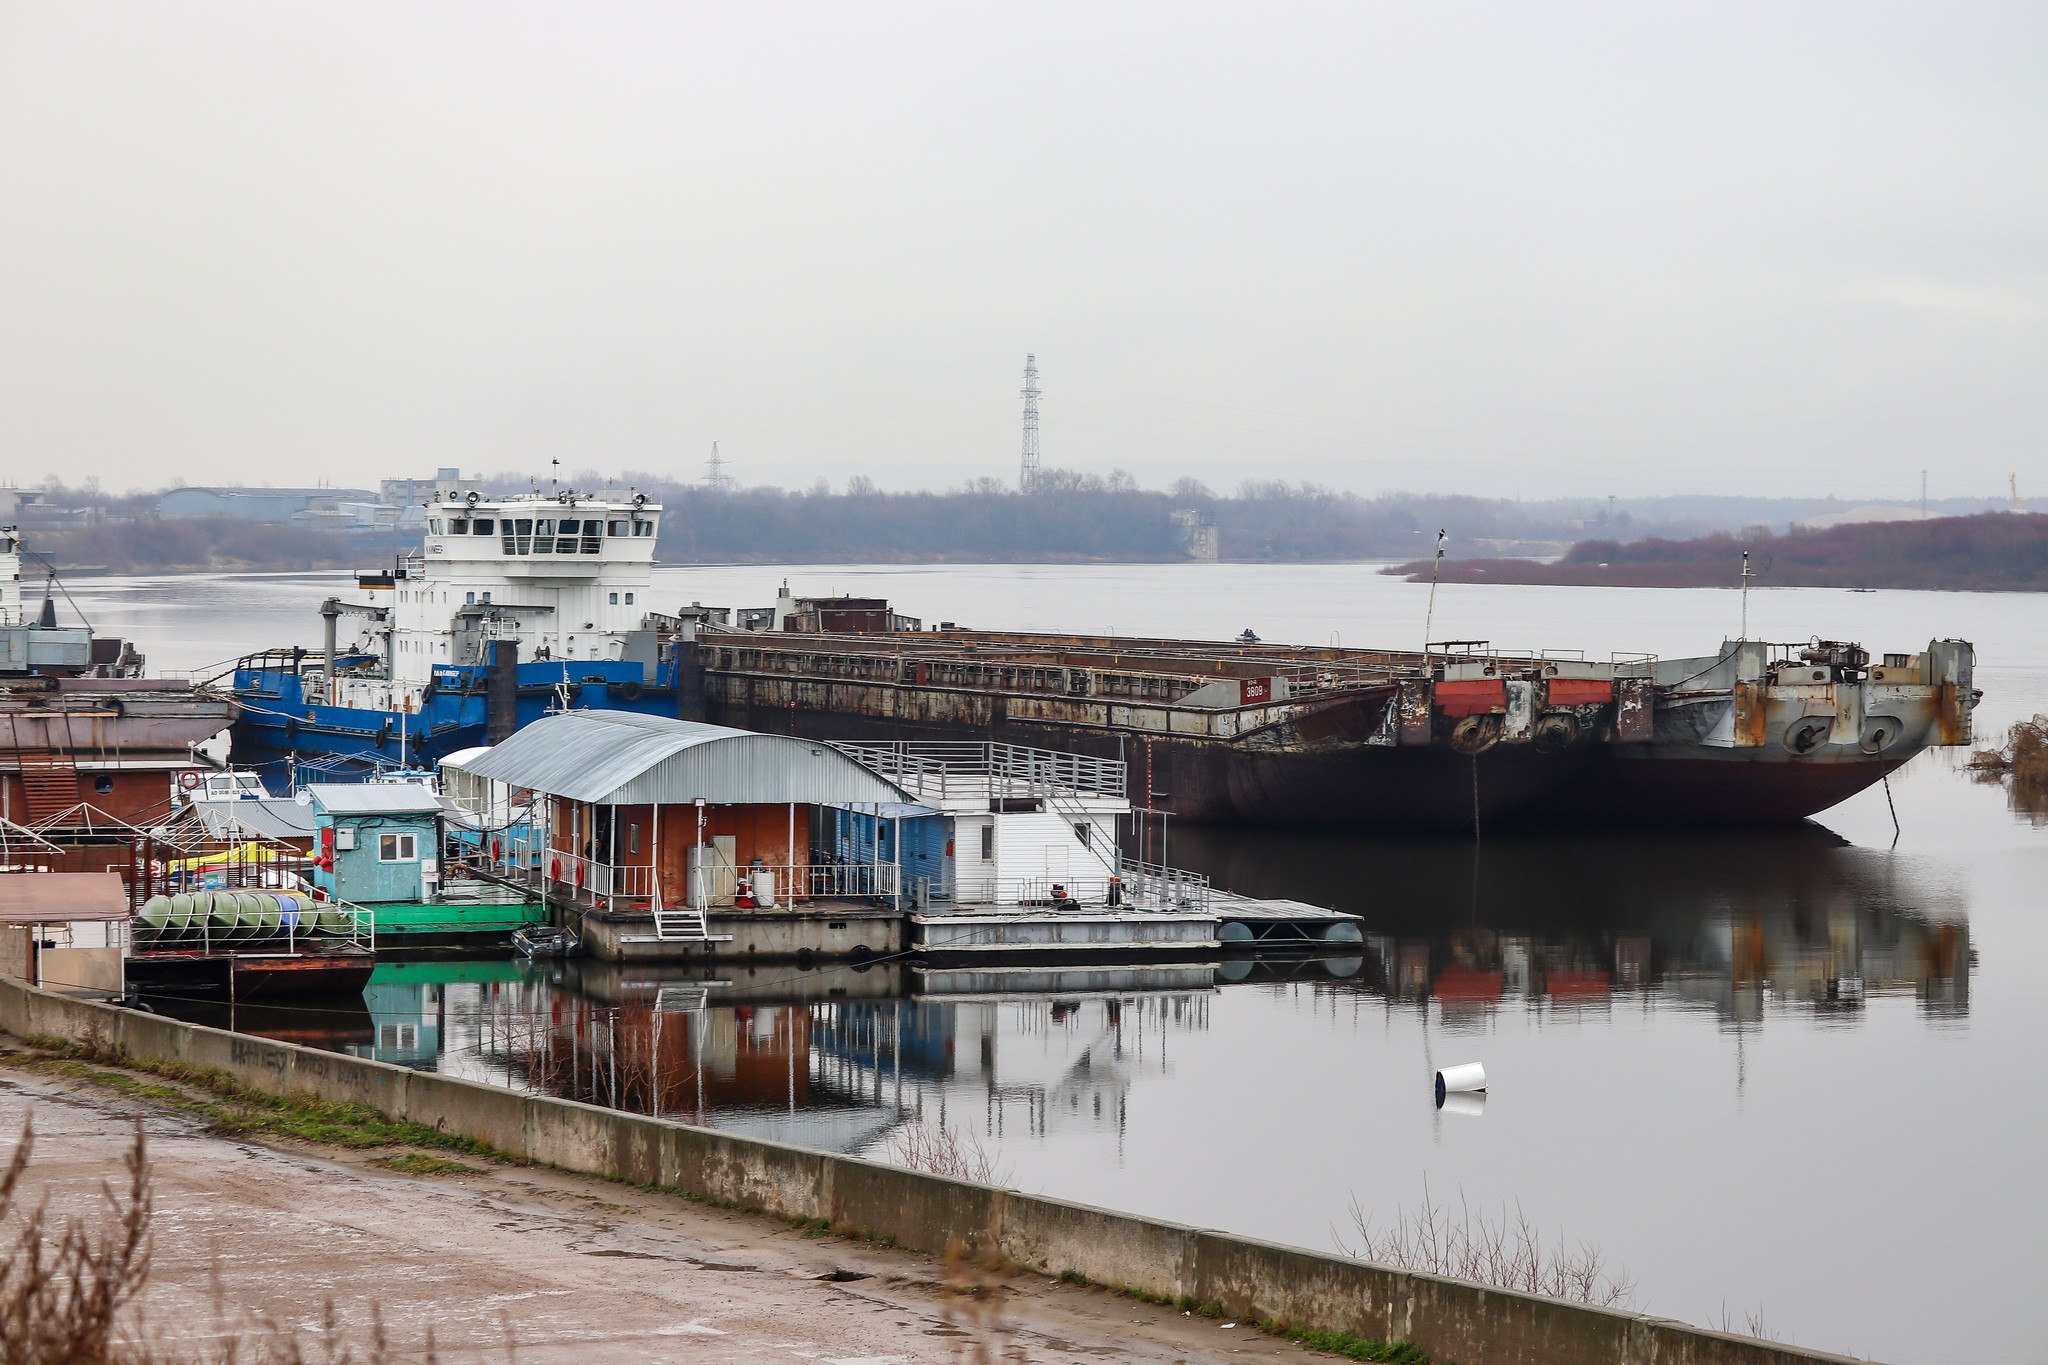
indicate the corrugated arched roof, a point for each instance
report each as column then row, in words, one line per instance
column 621, row 758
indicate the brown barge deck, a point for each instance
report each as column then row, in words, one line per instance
column 1322, row 736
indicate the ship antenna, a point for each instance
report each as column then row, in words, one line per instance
column 1429, row 620
column 555, row 476
column 1746, row 576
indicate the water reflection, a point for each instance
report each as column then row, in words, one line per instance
column 1743, row 926
column 2028, row 801
column 1731, row 921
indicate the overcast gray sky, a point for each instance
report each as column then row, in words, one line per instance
column 1525, row 250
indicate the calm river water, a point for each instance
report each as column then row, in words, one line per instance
column 1795, row 1074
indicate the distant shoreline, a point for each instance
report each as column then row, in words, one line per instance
column 1990, row 552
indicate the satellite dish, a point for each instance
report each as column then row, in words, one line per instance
column 304, row 797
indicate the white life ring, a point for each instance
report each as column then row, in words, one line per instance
column 190, row 779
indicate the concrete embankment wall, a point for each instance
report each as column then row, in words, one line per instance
column 1452, row 1320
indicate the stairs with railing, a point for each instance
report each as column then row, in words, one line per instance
column 681, row 924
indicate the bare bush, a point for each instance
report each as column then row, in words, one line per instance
column 938, row 1150
column 62, row 1288
column 2023, row 757
column 68, row 1292
column 1506, row 1253
column 1752, row 1324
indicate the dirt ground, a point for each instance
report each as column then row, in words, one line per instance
column 526, row 1264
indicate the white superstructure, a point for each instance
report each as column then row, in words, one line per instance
column 565, row 575
column 10, row 578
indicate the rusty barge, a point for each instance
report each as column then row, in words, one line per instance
column 1265, row 734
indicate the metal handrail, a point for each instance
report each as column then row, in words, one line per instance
column 968, row 767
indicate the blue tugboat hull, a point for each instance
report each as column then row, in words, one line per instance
column 277, row 722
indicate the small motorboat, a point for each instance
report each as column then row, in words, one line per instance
column 545, row 940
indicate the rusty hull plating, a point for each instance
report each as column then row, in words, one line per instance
column 1275, row 735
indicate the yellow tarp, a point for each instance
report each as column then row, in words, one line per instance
column 233, row 857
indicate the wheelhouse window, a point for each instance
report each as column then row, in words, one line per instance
column 459, row 526
column 434, row 526
column 571, row 528
column 485, row 526
column 398, row 848
column 544, row 536
column 619, row 529
column 643, row 528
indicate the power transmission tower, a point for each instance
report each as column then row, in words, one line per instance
column 715, row 477
column 1027, row 471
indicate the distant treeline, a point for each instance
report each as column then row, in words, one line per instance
column 1066, row 516
column 1992, row 552
column 150, row 545
column 1072, row 516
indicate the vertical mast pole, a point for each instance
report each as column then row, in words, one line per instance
column 1435, row 571
column 1745, row 596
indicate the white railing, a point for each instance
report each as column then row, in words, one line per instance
column 943, row 768
column 1168, row 888
column 593, row 878
column 1138, row 886
column 844, row 881
column 637, row 885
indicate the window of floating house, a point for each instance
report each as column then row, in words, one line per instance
column 1084, row 832
column 397, row 848
column 988, row 842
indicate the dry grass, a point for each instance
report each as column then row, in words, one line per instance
column 938, row 1150
column 1751, row 1325
column 64, row 1287
column 69, row 1291
column 1506, row 1253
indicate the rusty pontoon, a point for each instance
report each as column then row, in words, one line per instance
column 1282, row 735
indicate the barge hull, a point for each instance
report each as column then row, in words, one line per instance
column 1350, row 786
column 1708, row 787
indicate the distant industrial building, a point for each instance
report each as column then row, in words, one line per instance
column 277, row 505
column 1198, row 534
column 30, row 509
column 413, row 492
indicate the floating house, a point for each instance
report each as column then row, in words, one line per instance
column 654, row 827
column 378, row 847
column 659, row 838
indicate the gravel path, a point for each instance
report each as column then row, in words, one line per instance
column 563, row 1267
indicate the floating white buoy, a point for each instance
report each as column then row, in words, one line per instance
column 1471, row 1104
column 1454, row 1080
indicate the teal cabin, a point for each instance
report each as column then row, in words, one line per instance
column 377, row 846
